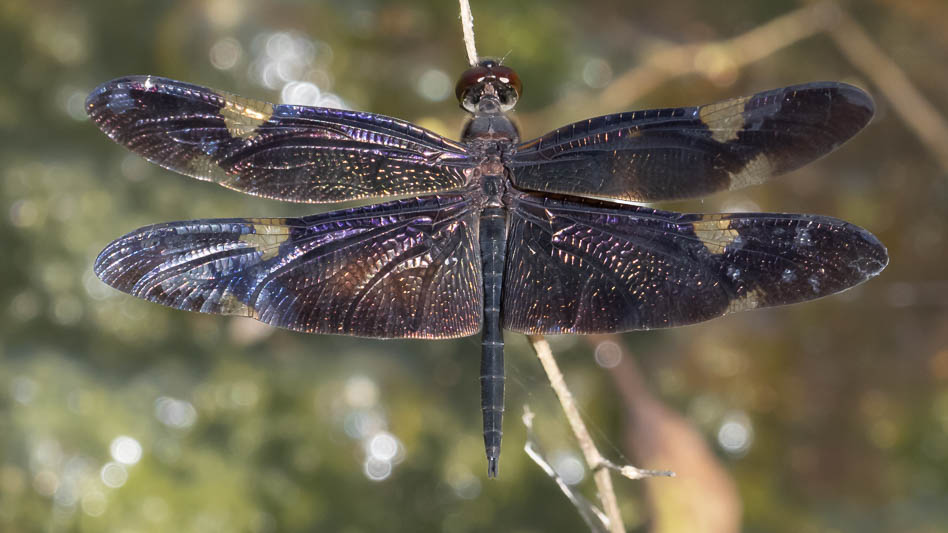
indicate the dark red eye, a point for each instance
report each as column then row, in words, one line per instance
column 470, row 78
column 488, row 78
column 508, row 76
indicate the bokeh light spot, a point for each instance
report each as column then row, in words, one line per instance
column 465, row 484
column 434, row 84
column 377, row 469
column 569, row 467
column 175, row 413
column 361, row 391
column 608, row 354
column 93, row 503
column 113, row 475
column 47, row 454
column 62, row 37
column 125, row 450
column 383, row 446
column 300, row 93
column 597, row 73
column 225, row 53
column 735, row 434
column 25, row 306
column 73, row 101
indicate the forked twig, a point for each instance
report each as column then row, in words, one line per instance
column 590, row 514
column 594, row 459
column 599, row 465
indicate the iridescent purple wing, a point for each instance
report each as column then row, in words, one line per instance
column 406, row 268
column 294, row 153
column 598, row 267
column 669, row 154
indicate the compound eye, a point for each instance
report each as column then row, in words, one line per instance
column 470, row 78
column 509, row 77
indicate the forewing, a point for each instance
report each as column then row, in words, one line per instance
column 400, row 269
column 294, row 153
column 667, row 154
column 597, row 267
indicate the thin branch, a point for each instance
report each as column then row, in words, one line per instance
column 599, row 465
column 908, row 102
column 467, row 26
column 734, row 53
column 713, row 58
column 590, row 514
column 709, row 59
column 594, row 459
column 634, row 472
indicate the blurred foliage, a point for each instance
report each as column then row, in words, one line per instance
column 243, row 428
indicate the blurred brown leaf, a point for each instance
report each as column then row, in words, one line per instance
column 702, row 497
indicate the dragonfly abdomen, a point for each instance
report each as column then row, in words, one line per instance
column 493, row 242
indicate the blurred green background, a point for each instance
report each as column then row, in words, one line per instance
column 120, row 415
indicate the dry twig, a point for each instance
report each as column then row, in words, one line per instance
column 467, row 27
column 710, row 59
column 594, row 459
column 591, row 515
column 599, row 465
column 908, row 102
column 718, row 58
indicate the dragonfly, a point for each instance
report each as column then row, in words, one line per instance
column 487, row 233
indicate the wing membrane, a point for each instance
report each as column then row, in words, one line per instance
column 667, row 154
column 294, row 153
column 596, row 267
column 401, row 269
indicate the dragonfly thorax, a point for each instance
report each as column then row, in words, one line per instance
column 490, row 126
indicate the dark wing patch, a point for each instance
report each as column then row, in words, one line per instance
column 294, row 153
column 598, row 267
column 668, row 154
column 401, row 269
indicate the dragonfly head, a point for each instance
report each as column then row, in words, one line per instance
column 488, row 85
